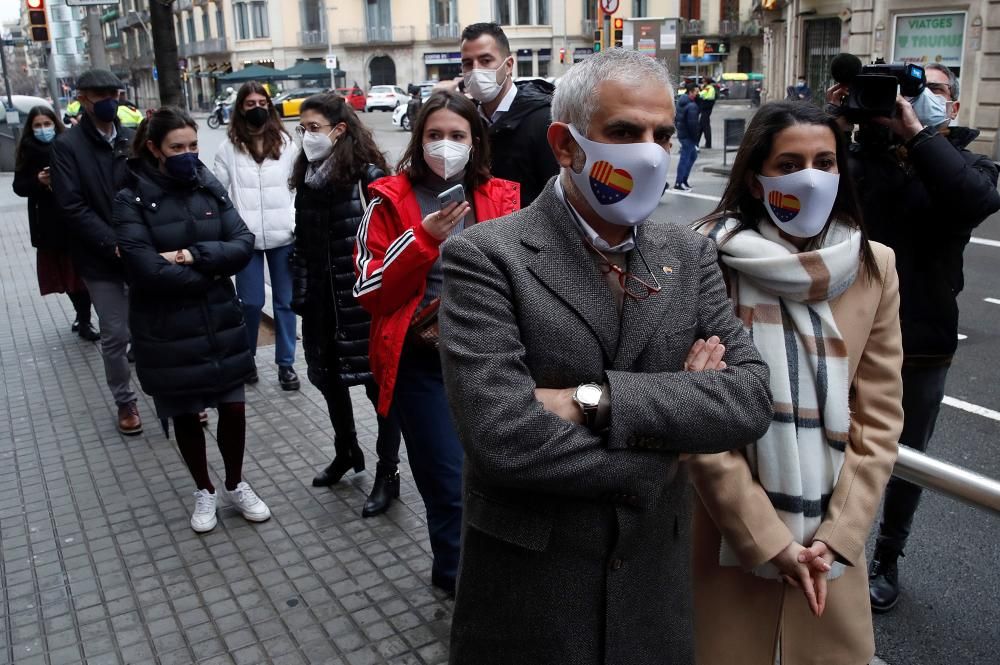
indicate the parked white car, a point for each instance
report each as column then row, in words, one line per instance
column 385, row 97
column 400, row 118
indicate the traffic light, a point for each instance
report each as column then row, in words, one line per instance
column 598, row 40
column 617, row 35
column 562, row 56
column 38, row 22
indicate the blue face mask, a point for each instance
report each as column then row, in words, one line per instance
column 106, row 110
column 45, row 134
column 183, row 166
column 931, row 109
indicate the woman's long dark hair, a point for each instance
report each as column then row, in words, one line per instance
column 27, row 131
column 155, row 128
column 478, row 170
column 239, row 132
column 738, row 200
column 355, row 149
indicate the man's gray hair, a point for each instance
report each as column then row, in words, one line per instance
column 575, row 100
column 952, row 79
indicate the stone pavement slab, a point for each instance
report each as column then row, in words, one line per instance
column 97, row 560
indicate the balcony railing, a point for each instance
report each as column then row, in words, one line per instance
column 208, row 46
column 750, row 28
column 181, row 5
column 133, row 19
column 588, row 27
column 382, row 34
column 691, row 27
column 313, row 39
column 444, row 31
column 729, row 27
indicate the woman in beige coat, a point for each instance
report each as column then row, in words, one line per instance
column 780, row 527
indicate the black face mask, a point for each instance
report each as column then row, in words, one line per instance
column 106, row 110
column 257, row 116
column 183, row 166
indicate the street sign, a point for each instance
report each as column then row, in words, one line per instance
column 88, row 3
column 609, row 6
column 331, row 62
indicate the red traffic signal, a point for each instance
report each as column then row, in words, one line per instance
column 38, row 22
column 562, row 56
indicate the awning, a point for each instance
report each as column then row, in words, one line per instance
column 305, row 69
column 252, row 73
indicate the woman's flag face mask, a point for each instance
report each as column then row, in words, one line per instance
column 622, row 182
column 800, row 203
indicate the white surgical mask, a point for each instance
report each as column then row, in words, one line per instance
column 931, row 109
column 482, row 84
column 622, row 182
column 800, row 203
column 446, row 158
column 317, row 146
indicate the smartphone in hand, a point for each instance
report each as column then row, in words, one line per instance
column 454, row 194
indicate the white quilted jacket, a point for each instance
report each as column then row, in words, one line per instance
column 260, row 192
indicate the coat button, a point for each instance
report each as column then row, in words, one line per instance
column 153, row 204
column 616, row 564
column 138, row 200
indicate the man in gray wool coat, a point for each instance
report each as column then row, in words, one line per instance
column 582, row 348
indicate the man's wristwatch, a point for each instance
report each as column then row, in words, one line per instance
column 588, row 396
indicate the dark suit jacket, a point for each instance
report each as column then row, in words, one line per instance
column 575, row 545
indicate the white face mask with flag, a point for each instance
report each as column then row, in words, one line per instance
column 800, row 203
column 622, row 182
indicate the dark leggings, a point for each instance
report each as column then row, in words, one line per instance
column 81, row 303
column 231, row 437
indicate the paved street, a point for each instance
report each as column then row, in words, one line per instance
column 99, row 566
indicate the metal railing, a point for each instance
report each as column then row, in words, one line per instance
column 202, row 47
column 181, row 5
column 691, row 26
column 444, row 31
column 378, row 34
column 948, row 479
column 313, row 38
column 750, row 28
column 729, row 27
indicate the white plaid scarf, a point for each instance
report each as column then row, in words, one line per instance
column 783, row 297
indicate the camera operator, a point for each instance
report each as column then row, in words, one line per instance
column 922, row 193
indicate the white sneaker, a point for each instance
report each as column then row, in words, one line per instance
column 203, row 519
column 248, row 503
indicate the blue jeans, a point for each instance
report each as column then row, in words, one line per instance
column 250, row 287
column 434, row 452
column 923, row 390
column 689, row 153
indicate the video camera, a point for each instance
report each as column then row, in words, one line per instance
column 872, row 88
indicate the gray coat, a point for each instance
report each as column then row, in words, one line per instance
column 575, row 545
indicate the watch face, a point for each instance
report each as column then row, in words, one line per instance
column 589, row 394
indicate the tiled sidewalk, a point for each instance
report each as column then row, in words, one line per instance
column 98, row 563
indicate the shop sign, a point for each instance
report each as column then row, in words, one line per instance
column 925, row 38
column 443, row 58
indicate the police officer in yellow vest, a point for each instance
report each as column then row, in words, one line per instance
column 706, row 102
column 128, row 114
column 72, row 115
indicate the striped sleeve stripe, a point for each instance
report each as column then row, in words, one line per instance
column 367, row 283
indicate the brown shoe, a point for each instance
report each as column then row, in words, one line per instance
column 129, row 422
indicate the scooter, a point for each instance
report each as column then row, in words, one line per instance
column 219, row 116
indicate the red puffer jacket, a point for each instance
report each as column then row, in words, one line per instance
column 392, row 258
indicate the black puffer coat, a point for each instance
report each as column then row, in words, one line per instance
column 334, row 326
column 186, row 321
column 518, row 143
column 45, row 218
column 925, row 209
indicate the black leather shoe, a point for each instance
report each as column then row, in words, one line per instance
column 76, row 325
column 86, row 331
column 287, row 377
column 129, row 354
column 340, row 465
column 446, row 584
column 883, row 581
column 253, row 378
column 385, row 489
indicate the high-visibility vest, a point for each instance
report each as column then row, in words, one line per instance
column 73, row 108
column 128, row 116
column 708, row 93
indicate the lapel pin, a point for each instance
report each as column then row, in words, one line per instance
column 668, row 270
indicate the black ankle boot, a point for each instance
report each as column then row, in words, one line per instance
column 86, row 331
column 883, row 580
column 385, row 489
column 341, row 464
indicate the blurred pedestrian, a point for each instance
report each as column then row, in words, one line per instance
column 706, row 103
column 778, row 557
column 49, row 235
column 400, row 280
column 88, row 169
column 254, row 164
column 800, row 91
column 564, row 331
column 687, row 124
column 182, row 240
column 332, row 173
column 517, row 114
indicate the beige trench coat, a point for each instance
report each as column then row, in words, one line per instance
column 740, row 618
